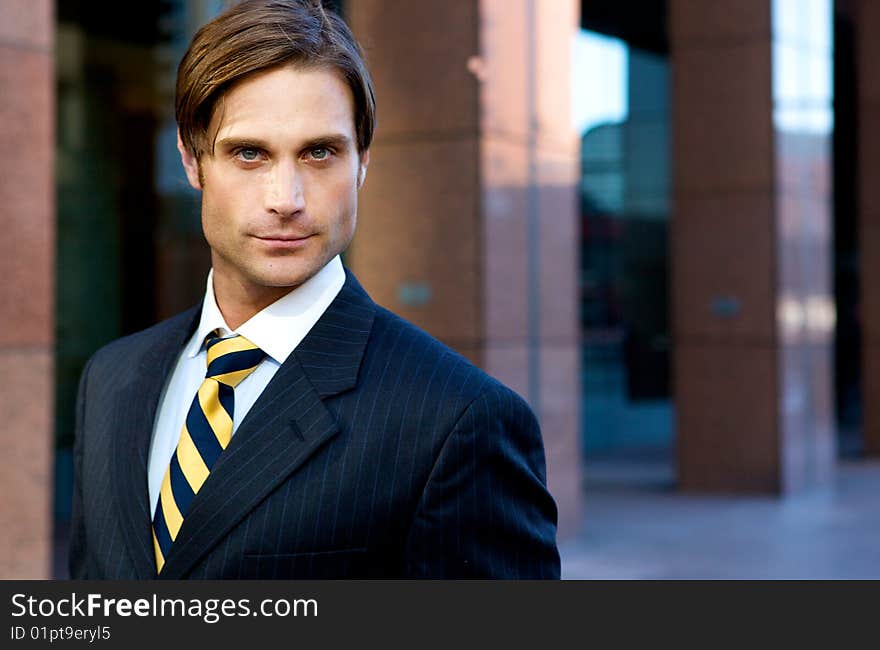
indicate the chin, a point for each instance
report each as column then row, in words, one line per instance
column 281, row 279
column 278, row 271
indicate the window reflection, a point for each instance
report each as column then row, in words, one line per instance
column 621, row 107
column 802, row 74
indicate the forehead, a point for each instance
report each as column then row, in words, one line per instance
column 288, row 102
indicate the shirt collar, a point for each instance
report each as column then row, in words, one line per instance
column 281, row 326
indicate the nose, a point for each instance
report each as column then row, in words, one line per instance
column 285, row 195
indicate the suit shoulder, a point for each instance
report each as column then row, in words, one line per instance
column 141, row 342
column 423, row 358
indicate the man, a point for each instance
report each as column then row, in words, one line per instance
column 289, row 427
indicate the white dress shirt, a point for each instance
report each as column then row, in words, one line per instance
column 276, row 330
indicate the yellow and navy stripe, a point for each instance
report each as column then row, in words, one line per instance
column 206, row 433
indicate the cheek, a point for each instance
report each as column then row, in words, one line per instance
column 343, row 193
column 346, row 212
column 332, row 200
column 223, row 205
column 212, row 216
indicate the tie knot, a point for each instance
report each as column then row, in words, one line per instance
column 231, row 359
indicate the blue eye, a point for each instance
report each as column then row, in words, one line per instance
column 320, row 153
column 248, row 155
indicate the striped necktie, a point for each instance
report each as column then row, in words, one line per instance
column 206, row 432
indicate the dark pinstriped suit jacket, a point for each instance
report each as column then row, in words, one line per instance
column 375, row 451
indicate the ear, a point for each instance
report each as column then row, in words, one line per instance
column 190, row 164
column 362, row 168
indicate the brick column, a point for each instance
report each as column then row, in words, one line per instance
column 751, row 247
column 468, row 222
column 867, row 21
column 27, row 220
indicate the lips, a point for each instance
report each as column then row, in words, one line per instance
column 281, row 237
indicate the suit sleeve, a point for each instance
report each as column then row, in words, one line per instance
column 77, row 553
column 485, row 511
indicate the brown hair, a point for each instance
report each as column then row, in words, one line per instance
column 256, row 35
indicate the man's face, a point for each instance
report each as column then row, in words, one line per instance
column 279, row 192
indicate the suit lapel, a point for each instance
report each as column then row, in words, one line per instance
column 284, row 428
column 135, row 413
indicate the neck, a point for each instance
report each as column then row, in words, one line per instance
column 238, row 303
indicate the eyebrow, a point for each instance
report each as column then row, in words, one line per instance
column 336, row 140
